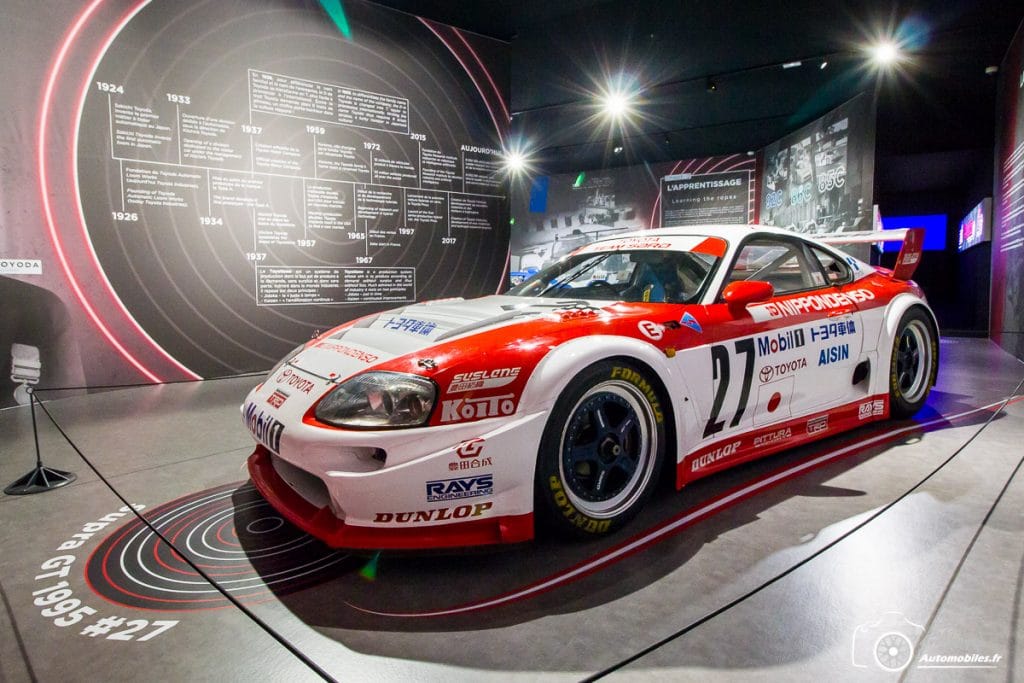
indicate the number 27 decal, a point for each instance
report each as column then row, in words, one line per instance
column 720, row 363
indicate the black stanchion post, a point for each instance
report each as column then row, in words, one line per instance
column 41, row 478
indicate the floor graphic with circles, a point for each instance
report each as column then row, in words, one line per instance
column 230, row 532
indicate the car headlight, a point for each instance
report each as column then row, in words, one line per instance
column 379, row 400
column 281, row 363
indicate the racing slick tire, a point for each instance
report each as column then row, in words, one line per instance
column 601, row 450
column 914, row 363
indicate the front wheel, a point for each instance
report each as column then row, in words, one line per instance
column 914, row 363
column 601, row 450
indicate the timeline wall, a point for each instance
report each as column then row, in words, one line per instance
column 1007, row 321
column 197, row 186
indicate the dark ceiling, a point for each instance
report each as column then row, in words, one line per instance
column 938, row 100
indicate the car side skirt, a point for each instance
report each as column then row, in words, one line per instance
column 757, row 443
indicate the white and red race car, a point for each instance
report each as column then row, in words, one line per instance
column 679, row 351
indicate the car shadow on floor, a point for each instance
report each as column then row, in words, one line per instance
column 493, row 588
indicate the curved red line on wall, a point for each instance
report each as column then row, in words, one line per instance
column 483, row 67
column 44, row 192
column 48, row 210
column 107, row 41
column 504, row 271
column 487, row 103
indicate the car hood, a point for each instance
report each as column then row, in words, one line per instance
column 398, row 332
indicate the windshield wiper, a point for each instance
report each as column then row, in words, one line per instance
column 583, row 269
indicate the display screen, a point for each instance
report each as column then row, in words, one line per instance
column 934, row 230
column 974, row 228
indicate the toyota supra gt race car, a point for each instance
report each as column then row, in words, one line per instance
column 672, row 353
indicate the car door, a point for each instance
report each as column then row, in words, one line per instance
column 782, row 358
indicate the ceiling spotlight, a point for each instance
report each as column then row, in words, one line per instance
column 617, row 149
column 884, row 53
column 712, row 86
column 991, row 70
column 616, row 103
column 514, row 162
column 792, row 65
column 824, row 63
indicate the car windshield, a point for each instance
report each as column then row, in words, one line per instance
column 642, row 275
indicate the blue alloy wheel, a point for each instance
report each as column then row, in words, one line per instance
column 914, row 363
column 601, row 450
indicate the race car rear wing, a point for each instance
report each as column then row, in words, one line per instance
column 910, row 253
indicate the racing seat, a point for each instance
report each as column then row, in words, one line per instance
column 646, row 286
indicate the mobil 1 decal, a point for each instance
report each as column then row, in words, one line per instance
column 249, row 173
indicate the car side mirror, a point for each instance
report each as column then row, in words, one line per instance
column 742, row 292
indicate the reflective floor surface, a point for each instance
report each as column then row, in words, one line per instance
column 858, row 557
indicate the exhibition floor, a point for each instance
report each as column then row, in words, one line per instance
column 852, row 557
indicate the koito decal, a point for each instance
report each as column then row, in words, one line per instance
column 477, row 408
column 292, row 379
column 264, row 428
column 834, row 354
column 439, row 515
column 482, row 379
column 812, row 303
column 348, row 351
column 714, row 456
column 779, row 342
column 442, row 490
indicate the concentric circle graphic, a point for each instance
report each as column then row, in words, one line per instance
column 248, row 176
column 230, row 532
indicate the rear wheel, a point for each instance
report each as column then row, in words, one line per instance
column 601, row 450
column 914, row 363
